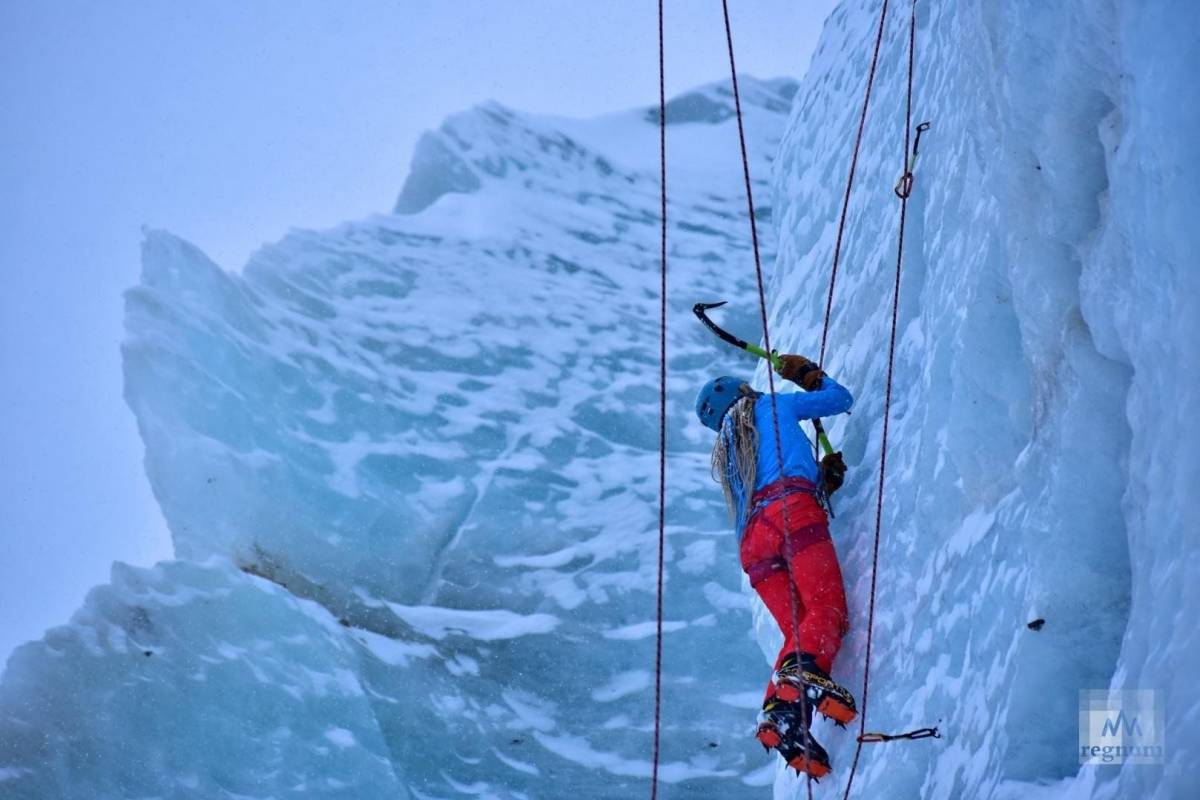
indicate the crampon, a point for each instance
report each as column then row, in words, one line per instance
column 781, row 727
column 829, row 698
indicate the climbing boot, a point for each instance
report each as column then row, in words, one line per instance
column 782, row 727
column 826, row 696
column 813, row 759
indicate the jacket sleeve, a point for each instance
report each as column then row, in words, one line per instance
column 832, row 398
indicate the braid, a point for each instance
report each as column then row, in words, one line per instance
column 735, row 457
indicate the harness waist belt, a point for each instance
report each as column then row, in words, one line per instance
column 777, row 491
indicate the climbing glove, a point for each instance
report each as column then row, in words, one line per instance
column 800, row 370
column 833, row 471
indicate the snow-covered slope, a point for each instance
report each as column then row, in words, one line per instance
column 410, row 464
column 429, row 443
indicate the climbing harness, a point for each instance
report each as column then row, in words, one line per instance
column 793, row 540
column 784, row 487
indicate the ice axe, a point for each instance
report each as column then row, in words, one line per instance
column 700, row 310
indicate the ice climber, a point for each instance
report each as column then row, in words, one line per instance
column 784, row 544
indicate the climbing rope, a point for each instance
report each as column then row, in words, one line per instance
column 863, row 737
column 862, row 122
column 662, row 402
column 828, row 310
column 762, row 307
column 903, row 191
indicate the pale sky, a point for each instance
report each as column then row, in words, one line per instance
column 229, row 122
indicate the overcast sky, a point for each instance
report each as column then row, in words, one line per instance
column 228, row 122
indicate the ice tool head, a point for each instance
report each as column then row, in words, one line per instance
column 717, row 397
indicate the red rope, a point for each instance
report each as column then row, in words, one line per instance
column 762, row 307
column 887, row 405
column 662, row 403
column 862, row 122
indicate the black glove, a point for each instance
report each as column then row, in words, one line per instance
column 833, row 472
column 800, row 370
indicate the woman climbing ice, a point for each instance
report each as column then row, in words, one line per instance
column 771, row 484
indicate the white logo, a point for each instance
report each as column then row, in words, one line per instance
column 1120, row 727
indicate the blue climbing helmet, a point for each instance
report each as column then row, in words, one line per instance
column 716, row 398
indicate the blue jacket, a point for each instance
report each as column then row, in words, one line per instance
column 832, row 398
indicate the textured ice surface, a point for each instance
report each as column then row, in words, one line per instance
column 192, row 680
column 1047, row 360
column 439, row 429
column 410, row 464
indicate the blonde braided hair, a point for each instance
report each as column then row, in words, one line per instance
column 735, row 456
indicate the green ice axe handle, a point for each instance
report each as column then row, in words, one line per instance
column 822, row 438
column 761, row 353
column 754, row 349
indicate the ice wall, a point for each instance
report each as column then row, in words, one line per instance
column 411, row 464
column 1046, row 363
column 192, row 680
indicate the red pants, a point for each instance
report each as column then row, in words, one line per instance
column 819, row 601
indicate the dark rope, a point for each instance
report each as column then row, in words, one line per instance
column 762, row 306
column 887, row 406
column 862, row 122
column 662, row 403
